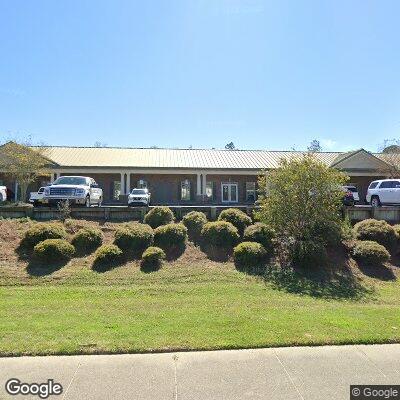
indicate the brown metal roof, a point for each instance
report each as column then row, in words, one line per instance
column 174, row 158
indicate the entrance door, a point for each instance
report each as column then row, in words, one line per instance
column 229, row 192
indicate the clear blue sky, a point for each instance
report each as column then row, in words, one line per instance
column 262, row 74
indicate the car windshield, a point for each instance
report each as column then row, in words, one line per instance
column 139, row 191
column 70, row 180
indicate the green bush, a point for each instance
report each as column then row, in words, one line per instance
column 152, row 258
column 194, row 222
column 308, row 254
column 87, row 240
column 107, row 256
column 397, row 229
column 134, row 239
column 237, row 218
column 158, row 216
column 260, row 233
column 40, row 232
column 376, row 231
column 370, row 252
column 51, row 250
column 171, row 238
column 250, row 255
column 218, row 239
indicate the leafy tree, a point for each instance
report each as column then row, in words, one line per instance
column 390, row 150
column 230, row 146
column 301, row 200
column 314, row 146
column 23, row 163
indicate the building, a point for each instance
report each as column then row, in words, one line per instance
column 193, row 176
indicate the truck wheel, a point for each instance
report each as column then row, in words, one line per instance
column 87, row 202
column 375, row 202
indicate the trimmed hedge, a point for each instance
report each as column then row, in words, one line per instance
column 220, row 234
column 260, row 233
column 107, row 255
column 40, row 232
column 369, row 252
column 51, row 250
column 87, row 240
column 158, row 216
column 250, row 254
column 377, row 231
column 237, row 218
column 194, row 222
column 152, row 258
column 134, row 238
column 172, row 238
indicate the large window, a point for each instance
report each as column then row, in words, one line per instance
column 229, row 192
column 251, row 191
column 116, row 190
column 209, row 190
column 185, row 190
column 142, row 184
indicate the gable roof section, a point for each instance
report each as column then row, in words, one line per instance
column 359, row 160
column 111, row 157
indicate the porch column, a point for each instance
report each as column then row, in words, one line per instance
column 122, row 183
column 198, row 184
column 128, row 183
column 204, row 183
column 16, row 191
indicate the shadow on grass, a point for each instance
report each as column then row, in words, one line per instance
column 148, row 268
column 321, row 284
column 381, row 272
column 41, row 268
column 214, row 253
column 104, row 266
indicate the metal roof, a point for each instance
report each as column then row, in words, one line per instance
column 112, row 157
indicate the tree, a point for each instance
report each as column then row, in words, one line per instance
column 314, row 146
column 23, row 164
column 230, row 146
column 390, row 150
column 302, row 200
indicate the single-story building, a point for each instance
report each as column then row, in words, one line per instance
column 193, row 176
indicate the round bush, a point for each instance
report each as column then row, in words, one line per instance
column 107, row 254
column 87, row 240
column 194, row 222
column 171, row 238
column 220, row 234
column 53, row 250
column 250, row 254
column 260, row 233
column 40, row 232
column 377, row 231
column 134, row 238
column 237, row 218
column 152, row 258
column 369, row 252
column 158, row 216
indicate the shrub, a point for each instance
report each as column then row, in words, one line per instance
column 40, row 232
column 194, row 222
column 171, row 238
column 152, row 258
column 308, row 254
column 158, row 216
column 260, row 233
column 237, row 218
column 53, row 250
column 134, row 238
column 87, row 240
column 397, row 229
column 369, row 252
column 107, row 256
column 218, row 239
column 377, row 231
column 250, row 254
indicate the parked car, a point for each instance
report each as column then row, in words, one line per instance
column 353, row 190
column 3, row 193
column 139, row 197
column 383, row 191
column 348, row 197
column 36, row 198
column 79, row 190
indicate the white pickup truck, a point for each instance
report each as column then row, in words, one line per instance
column 36, row 198
column 79, row 190
column 3, row 193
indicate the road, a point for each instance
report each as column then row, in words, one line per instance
column 283, row 373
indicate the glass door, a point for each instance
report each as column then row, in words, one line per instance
column 229, row 192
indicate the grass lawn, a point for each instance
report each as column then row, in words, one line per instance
column 192, row 303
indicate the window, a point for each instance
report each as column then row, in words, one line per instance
column 373, row 185
column 142, row 184
column 71, row 180
column 117, row 190
column 229, row 192
column 251, row 191
column 185, row 190
column 209, row 190
column 386, row 185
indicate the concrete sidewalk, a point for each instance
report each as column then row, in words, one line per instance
column 282, row 373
